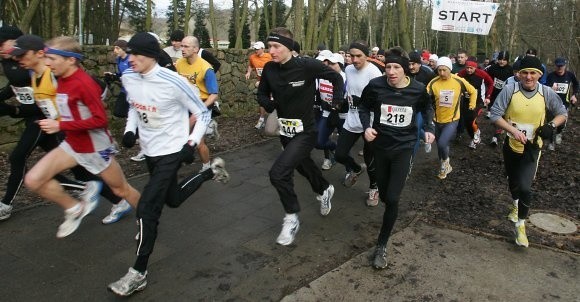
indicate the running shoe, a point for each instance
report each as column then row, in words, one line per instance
column 373, row 199
column 351, row 177
column 325, row 204
column 477, row 136
column 326, row 164
column 5, row 211
column 212, row 130
column 133, row 281
column 219, row 171
column 513, row 214
column 90, row 196
column 472, row 144
column 427, row 148
column 139, row 157
column 488, row 115
column 290, row 227
column 558, row 138
column 72, row 220
column 380, row 257
column 260, row 124
column 551, row 147
column 118, row 211
column 493, row 141
column 521, row 238
column 445, row 169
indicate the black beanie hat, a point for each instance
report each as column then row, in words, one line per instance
column 177, row 35
column 144, row 44
column 533, row 63
column 8, row 32
column 415, row 57
column 503, row 55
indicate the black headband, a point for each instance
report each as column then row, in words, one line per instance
column 404, row 62
column 289, row 43
column 363, row 48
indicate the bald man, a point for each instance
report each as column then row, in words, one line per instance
column 200, row 74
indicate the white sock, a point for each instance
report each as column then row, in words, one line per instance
column 520, row 222
column 261, row 118
column 294, row 216
column 206, row 166
column 516, row 202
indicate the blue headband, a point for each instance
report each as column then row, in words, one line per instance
column 63, row 53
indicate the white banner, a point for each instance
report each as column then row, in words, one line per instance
column 470, row 17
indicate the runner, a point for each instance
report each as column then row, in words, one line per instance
column 499, row 72
column 290, row 81
column 88, row 143
column 201, row 75
column 29, row 52
column 424, row 75
column 394, row 99
column 160, row 103
column 174, row 50
column 447, row 90
column 257, row 60
column 358, row 76
column 520, row 109
column 566, row 85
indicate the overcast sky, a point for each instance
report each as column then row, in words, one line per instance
column 162, row 5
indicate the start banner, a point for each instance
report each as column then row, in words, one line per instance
column 472, row 17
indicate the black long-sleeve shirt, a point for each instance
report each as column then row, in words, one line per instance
column 292, row 86
column 17, row 77
column 395, row 112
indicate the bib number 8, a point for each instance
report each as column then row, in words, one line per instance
column 143, row 117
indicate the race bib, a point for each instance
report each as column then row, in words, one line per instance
column 259, row 71
column 527, row 129
column 48, row 109
column 561, row 88
column 63, row 109
column 396, row 116
column 290, row 127
column 446, row 98
column 148, row 115
column 498, row 84
column 24, row 95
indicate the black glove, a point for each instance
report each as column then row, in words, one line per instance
column 129, row 139
column 187, row 153
column 546, row 131
column 110, row 78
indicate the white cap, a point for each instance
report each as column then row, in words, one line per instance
column 445, row 61
column 433, row 57
column 338, row 58
column 156, row 37
column 376, row 48
column 325, row 55
column 259, row 45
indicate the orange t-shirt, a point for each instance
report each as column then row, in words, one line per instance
column 257, row 62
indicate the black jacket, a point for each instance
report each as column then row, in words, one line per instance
column 17, row 77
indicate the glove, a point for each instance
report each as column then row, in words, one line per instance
column 187, row 153
column 129, row 139
column 110, row 78
column 546, row 131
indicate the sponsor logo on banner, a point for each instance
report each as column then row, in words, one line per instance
column 461, row 16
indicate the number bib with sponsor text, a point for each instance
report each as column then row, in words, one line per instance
column 290, row 127
column 396, row 116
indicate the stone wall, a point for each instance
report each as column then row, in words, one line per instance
column 236, row 94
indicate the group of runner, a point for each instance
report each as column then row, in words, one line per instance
column 394, row 101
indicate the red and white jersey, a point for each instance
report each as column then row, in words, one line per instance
column 82, row 113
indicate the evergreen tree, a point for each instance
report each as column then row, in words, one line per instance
column 246, row 36
column 136, row 12
column 200, row 30
column 180, row 17
column 232, row 29
column 280, row 12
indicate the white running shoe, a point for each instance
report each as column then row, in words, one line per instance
column 118, row 211
column 326, row 164
column 90, row 196
column 139, row 157
column 558, row 138
column 427, row 148
column 373, row 199
column 260, row 124
column 290, row 227
column 325, row 204
column 473, row 144
column 133, row 281
column 351, row 177
column 72, row 220
column 218, row 167
column 5, row 211
column 212, row 130
column 493, row 141
column 477, row 136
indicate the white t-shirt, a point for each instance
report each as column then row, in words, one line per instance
column 173, row 53
column 356, row 81
column 160, row 102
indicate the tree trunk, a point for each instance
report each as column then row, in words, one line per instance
column 175, row 24
column 187, row 17
column 148, row 17
column 298, row 6
column 326, row 16
column 403, row 25
column 212, row 24
column 240, row 24
column 27, row 18
column 514, row 27
column 371, row 9
column 311, row 26
column 71, row 17
column 266, row 16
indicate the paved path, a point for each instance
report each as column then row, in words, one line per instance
column 219, row 245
